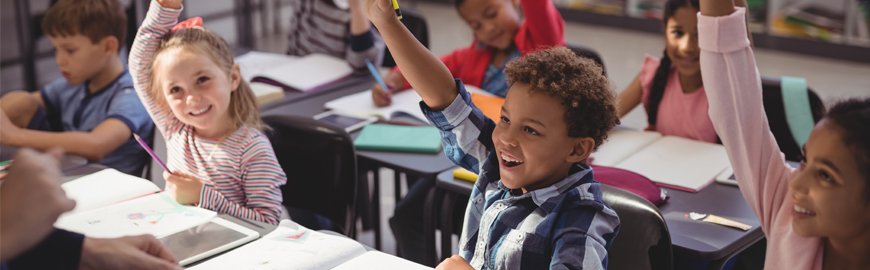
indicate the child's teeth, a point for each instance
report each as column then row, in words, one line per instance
column 801, row 210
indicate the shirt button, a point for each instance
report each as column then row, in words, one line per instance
column 519, row 237
column 479, row 200
column 500, row 205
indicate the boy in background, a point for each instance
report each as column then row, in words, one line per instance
column 93, row 110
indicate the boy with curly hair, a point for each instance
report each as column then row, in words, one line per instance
column 535, row 204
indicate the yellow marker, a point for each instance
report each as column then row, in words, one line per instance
column 396, row 7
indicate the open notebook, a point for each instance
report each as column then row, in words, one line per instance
column 667, row 160
column 292, row 246
column 405, row 102
column 305, row 73
column 110, row 203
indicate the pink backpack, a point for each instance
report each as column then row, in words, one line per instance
column 630, row 181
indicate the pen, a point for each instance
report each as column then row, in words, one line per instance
column 151, row 152
column 377, row 75
column 396, row 7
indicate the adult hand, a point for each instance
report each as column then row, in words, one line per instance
column 130, row 252
column 454, row 262
column 184, row 188
column 31, row 199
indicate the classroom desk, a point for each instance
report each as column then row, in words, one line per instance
column 69, row 161
column 690, row 238
column 425, row 166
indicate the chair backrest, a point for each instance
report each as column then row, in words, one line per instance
column 776, row 117
column 587, row 52
column 415, row 22
column 320, row 164
column 643, row 240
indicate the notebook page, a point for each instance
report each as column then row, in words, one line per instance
column 255, row 63
column 376, row 260
column 679, row 162
column 156, row 214
column 290, row 246
column 407, row 102
column 622, row 143
column 309, row 72
column 104, row 188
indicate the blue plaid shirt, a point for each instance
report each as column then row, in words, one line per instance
column 563, row 226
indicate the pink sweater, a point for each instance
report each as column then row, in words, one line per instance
column 734, row 93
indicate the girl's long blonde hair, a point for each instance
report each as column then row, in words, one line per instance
column 243, row 103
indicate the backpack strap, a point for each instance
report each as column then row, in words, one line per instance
column 798, row 113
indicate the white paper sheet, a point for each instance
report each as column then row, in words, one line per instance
column 104, row 188
column 289, row 246
column 407, row 102
column 155, row 214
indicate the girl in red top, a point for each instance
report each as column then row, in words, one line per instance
column 499, row 36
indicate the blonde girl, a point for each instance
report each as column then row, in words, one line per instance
column 220, row 159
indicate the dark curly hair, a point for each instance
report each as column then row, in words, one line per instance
column 590, row 102
column 852, row 117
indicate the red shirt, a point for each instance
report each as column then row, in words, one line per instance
column 543, row 27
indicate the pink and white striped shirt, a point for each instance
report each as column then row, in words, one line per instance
column 242, row 177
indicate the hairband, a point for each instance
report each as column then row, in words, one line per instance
column 189, row 23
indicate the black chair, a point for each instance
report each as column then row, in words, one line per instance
column 775, row 111
column 643, row 241
column 416, row 23
column 587, row 52
column 320, row 164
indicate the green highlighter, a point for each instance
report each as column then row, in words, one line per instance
column 396, row 138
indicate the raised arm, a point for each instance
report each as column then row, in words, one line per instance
column 733, row 88
column 162, row 15
column 429, row 76
column 545, row 24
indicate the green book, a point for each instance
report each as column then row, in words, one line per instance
column 399, row 138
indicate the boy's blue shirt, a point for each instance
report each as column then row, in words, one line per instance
column 73, row 108
column 563, row 226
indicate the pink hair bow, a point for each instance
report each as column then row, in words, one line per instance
column 192, row 22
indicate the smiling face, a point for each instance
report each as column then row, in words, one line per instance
column 531, row 140
column 828, row 190
column 78, row 58
column 197, row 90
column 494, row 22
column 681, row 41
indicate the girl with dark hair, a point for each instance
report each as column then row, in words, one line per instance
column 671, row 88
column 816, row 216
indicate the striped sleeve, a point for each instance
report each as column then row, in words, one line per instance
column 262, row 177
column 158, row 22
column 465, row 132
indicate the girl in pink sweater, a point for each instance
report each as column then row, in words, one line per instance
column 815, row 217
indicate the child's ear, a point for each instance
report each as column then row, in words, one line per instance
column 581, row 150
column 109, row 45
column 235, row 77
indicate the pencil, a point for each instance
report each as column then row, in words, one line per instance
column 151, row 152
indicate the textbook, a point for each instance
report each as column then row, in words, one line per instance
column 266, row 93
column 306, row 73
column 382, row 137
column 406, row 102
column 292, row 246
column 111, row 204
column 669, row 161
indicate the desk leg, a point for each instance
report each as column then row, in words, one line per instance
column 397, row 186
column 429, row 216
column 447, row 203
column 376, row 203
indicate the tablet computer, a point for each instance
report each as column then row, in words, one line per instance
column 207, row 239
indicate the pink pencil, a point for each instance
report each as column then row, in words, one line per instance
column 151, row 152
